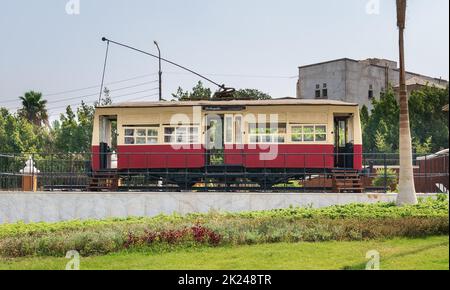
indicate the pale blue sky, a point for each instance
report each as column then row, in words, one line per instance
column 45, row 49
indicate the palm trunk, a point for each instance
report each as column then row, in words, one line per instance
column 407, row 190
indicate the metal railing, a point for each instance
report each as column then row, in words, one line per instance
column 236, row 171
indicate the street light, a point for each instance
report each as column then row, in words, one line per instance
column 160, row 71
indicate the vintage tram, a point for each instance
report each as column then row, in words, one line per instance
column 262, row 141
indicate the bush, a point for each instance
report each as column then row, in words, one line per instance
column 388, row 179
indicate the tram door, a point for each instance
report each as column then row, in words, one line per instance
column 343, row 147
column 108, row 140
column 214, row 139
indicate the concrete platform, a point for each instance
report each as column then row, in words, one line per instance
column 62, row 206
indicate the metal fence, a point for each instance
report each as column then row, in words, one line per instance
column 292, row 173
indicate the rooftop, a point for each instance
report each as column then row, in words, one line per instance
column 273, row 102
column 417, row 81
column 373, row 62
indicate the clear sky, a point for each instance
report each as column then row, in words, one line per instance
column 242, row 43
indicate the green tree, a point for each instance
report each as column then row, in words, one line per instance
column 251, row 94
column 429, row 125
column 73, row 132
column 364, row 114
column 18, row 135
column 34, row 108
column 427, row 119
column 199, row 93
column 384, row 120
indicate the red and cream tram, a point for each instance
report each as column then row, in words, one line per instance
column 280, row 135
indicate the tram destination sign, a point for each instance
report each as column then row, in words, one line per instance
column 223, row 108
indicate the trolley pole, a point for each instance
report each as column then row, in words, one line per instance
column 160, row 71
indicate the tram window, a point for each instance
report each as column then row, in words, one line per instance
column 297, row 134
column 266, row 133
column 129, row 132
column 182, row 134
column 129, row 140
column 152, row 132
column 229, row 129
column 238, row 129
column 321, row 133
column 141, row 140
column 309, row 133
column 141, row 136
column 169, row 135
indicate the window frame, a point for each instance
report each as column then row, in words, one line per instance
column 302, row 134
column 135, row 135
column 188, row 140
column 274, row 137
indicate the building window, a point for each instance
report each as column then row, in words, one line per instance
column 181, row 135
column 370, row 92
column 264, row 133
column 309, row 133
column 318, row 92
column 141, row 136
column 324, row 91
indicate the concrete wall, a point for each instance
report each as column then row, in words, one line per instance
column 332, row 73
column 53, row 207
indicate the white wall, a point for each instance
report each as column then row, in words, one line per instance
column 53, row 207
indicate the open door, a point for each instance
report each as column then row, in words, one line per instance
column 214, row 140
column 343, row 147
column 108, row 140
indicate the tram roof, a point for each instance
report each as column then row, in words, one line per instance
column 272, row 102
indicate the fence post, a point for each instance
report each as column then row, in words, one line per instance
column 385, row 173
column 32, row 172
column 427, row 180
column 51, row 172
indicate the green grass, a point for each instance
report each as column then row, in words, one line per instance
column 398, row 254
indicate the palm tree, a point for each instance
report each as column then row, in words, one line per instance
column 407, row 190
column 34, row 108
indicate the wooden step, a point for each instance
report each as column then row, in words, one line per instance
column 347, row 180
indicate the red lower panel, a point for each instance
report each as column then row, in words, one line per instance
column 95, row 158
column 358, row 157
column 160, row 156
column 281, row 156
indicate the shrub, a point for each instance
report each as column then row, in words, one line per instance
column 388, row 179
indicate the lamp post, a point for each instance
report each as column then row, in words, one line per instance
column 160, row 71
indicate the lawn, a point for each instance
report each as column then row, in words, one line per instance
column 400, row 253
